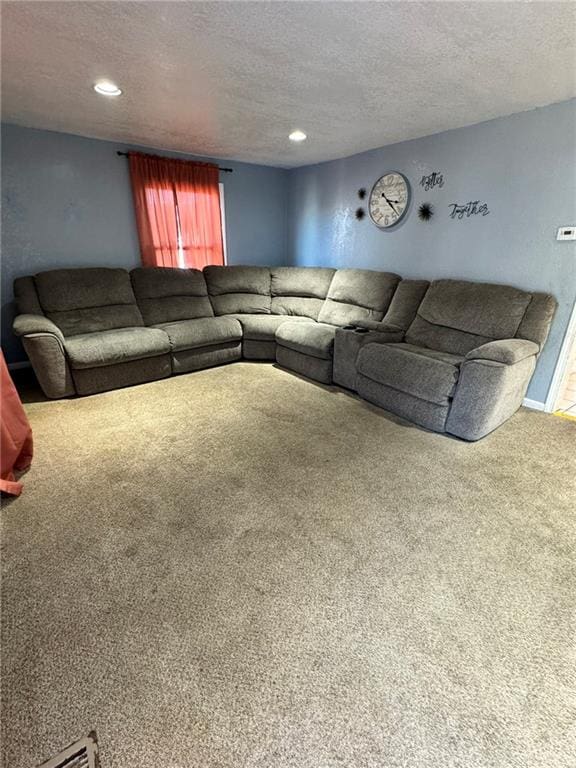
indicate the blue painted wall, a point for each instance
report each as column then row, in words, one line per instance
column 523, row 166
column 66, row 202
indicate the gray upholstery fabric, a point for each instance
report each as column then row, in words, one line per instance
column 358, row 294
column 92, row 320
column 165, row 295
column 405, row 302
column 187, row 360
column 90, row 381
column 487, row 394
column 235, row 290
column 50, row 365
column 538, row 318
column 25, row 325
column 379, row 325
column 301, row 281
column 508, row 351
column 92, row 350
column 423, row 373
column 26, row 296
column 61, row 290
column 428, row 415
column 44, row 345
column 254, row 349
column 482, row 309
column 425, row 334
column 300, row 290
column 315, row 339
column 347, row 344
column 88, row 300
column 301, row 306
column 457, row 319
column 458, row 316
column 235, row 303
column 312, row 367
column 202, row 332
column 264, row 327
column 222, row 280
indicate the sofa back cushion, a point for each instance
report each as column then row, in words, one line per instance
column 537, row 319
column 456, row 316
column 358, row 294
column 165, row 295
column 88, row 300
column 405, row 303
column 239, row 290
column 300, row 290
column 26, row 296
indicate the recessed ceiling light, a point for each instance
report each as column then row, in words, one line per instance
column 297, row 136
column 106, row 88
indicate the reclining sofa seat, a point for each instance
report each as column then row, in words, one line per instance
column 176, row 302
column 83, row 332
column 354, row 295
column 261, row 299
column 350, row 339
column 465, row 361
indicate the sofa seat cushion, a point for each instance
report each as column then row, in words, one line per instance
column 201, row 332
column 424, row 373
column 264, row 327
column 314, row 339
column 93, row 350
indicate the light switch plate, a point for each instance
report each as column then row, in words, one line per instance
column 566, row 233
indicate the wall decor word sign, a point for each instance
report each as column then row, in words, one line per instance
column 473, row 208
column 432, row 180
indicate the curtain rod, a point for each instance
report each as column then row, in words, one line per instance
column 224, row 170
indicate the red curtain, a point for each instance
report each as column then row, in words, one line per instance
column 15, row 434
column 178, row 216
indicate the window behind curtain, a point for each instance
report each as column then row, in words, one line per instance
column 178, row 212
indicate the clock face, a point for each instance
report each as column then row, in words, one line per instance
column 389, row 200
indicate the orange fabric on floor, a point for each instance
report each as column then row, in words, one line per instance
column 16, row 434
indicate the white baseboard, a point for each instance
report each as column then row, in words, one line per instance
column 536, row 405
column 18, row 366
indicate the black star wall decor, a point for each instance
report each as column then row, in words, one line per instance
column 425, row 211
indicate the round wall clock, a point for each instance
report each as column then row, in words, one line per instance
column 389, row 199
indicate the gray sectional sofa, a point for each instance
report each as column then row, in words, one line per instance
column 452, row 356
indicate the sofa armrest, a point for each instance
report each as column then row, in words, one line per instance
column 384, row 336
column 506, row 351
column 44, row 345
column 29, row 325
column 489, row 391
column 375, row 325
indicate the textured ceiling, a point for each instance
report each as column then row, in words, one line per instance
column 232, row 79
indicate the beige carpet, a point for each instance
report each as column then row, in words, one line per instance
column 241, row 569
